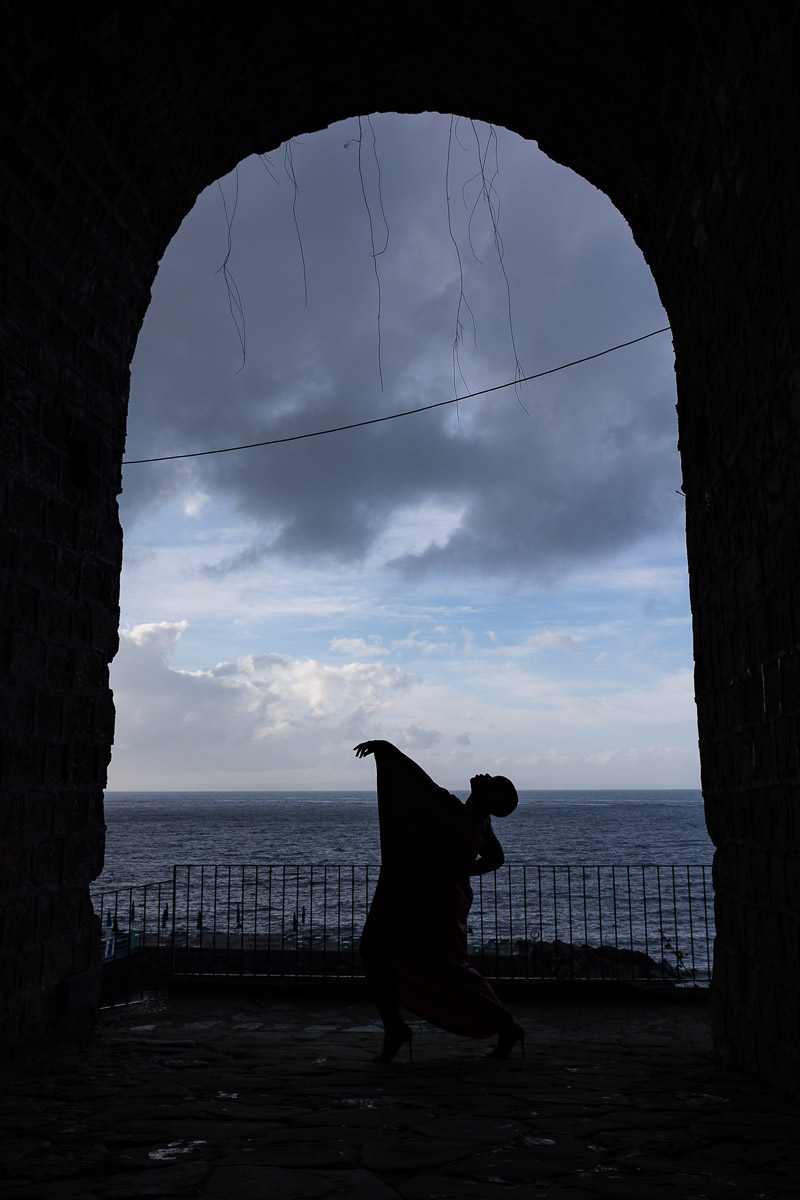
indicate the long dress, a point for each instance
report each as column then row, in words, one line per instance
column 416, row 929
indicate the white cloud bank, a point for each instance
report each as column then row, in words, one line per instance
column 268, row 721
column 235, row 725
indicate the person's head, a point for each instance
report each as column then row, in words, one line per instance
column 493, row 794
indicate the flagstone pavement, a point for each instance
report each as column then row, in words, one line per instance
column 276, row 1096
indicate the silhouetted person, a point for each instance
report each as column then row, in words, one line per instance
column 414, row 944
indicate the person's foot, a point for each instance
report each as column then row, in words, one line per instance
column 393, row 1039
column 507, row 1040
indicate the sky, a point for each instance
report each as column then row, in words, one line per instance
column 495, row 585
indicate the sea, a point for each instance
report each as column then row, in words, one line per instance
column 150, row 832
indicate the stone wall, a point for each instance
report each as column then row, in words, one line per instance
column 117, row 116
column 740, row 419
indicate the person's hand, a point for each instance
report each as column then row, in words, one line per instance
column 363, row 749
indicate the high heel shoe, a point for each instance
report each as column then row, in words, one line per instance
column 507, row 1041
column 392, row 1043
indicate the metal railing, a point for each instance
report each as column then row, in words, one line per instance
column 648, row 924
column 135, row 941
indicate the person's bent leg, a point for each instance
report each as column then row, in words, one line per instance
column 383, row 986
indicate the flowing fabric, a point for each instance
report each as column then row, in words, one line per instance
column 416, row 930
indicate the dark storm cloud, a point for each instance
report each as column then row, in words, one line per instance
column 592, row 467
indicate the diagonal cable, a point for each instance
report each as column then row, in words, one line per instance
column 409, row 412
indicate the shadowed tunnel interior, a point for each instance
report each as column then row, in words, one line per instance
column 115, row 119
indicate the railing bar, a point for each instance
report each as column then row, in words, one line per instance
column 296, row 921
column 240, row 917
column 555, row 915
column 310, row 919
column 691, row 922
column 678, row 951
column 126, row 974
column 585, row 917
column 214, row 903
column 661, row 919
column 338, row 920
column 705, row 922
column 269, row 923
column 480, row 914
column 569, row 926
column 324, row 959
column 352, row 884
column 144, row 943
column 644, row 911
column 156, row 889
column 630, row 906
column 600, row 927
column 541, row 921
column 116, row 949
column 200, row 921
column 255, row 919
column 188, row 920
column 283, row 917
column 228, row 927
column 507, row 871
column 615, row 921
column 526, row 948
column 366, row 899
column 496, row 927
column 117, row 943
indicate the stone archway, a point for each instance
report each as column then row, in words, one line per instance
column 683, row 114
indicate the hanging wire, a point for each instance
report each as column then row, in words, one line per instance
column 409, row 412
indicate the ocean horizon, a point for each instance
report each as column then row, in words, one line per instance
column 150, row 832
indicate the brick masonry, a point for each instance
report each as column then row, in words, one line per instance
column 116, row 116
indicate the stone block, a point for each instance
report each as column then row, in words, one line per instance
column 28, row 657
column 79, row 717
column 46, row 858
column 19, row 705
column 60, row 523
column 79, row 860
column 68, row 572
column 60, row 667
column 23, row 762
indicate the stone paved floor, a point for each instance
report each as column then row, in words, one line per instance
column 278, row 1098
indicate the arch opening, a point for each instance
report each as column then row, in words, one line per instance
column 499, row 582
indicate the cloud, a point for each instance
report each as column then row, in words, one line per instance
column 235, row 719
column 591, row 470
column 160, row 637
column 413, row 641
column 357, row 647
column 550, row 640
column 194, row 504
column 415, row 738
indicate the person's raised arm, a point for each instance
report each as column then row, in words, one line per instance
column 391, row 761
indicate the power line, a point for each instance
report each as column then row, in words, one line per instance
column 409, row 412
